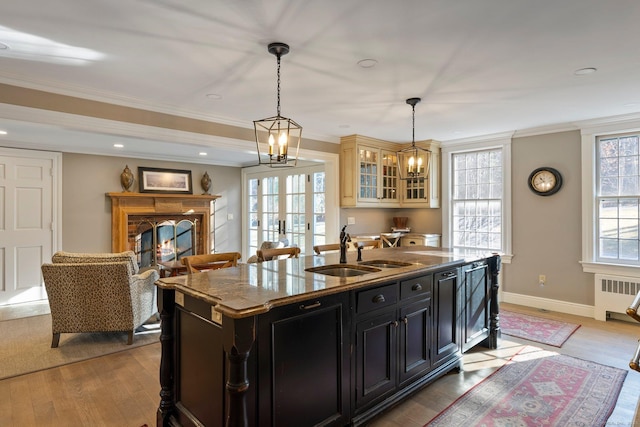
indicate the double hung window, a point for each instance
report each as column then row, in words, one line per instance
column 618, row 199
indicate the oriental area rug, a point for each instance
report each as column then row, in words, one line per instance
column 537, row 329
column 25, row 344
column 538, row 388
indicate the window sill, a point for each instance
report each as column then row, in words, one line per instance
column 617, row 269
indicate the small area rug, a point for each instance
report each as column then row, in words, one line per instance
column 538, row 388
column 25, row 344
column 537, row 329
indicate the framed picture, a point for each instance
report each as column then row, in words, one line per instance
column 157, row 180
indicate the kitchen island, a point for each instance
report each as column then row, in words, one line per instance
column 310, row 341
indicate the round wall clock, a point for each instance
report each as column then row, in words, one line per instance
column 545, row 181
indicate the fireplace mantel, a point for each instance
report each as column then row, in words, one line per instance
column 127, row 204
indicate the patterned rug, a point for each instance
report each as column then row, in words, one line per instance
column 545, row 331
column 538, row 388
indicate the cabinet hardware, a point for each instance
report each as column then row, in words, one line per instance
column 416, row 287
column 378, row 299
column 310, row 306
column 449, row 274
column 394, row 323
column 406, row 320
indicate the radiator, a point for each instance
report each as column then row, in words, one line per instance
column 614, row 294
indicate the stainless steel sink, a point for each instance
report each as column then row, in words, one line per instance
column 343, row 270
column 382, row 263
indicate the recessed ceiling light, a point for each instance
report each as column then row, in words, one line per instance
column 118, row 145
column 3, row 132
column 202, row 153
column 584, row 71
column 4, row 46
column 213, row 96
column 367, row 63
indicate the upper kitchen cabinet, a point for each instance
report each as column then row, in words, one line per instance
column 369, row 175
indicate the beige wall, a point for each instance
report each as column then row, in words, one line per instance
column 378, row 220
column 86, row 210
column 547, row 234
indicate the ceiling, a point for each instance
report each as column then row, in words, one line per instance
column 480, row 66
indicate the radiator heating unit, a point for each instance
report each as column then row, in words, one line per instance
column 614, row 294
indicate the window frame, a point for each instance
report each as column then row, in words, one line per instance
column 499, row 141
column 590, row 131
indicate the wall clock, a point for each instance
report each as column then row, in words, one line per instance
column 545, row 181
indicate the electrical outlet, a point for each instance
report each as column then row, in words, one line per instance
column 351, row 220
column 542, row 280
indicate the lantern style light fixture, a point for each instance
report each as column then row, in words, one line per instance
column 277, row 136
column 413, row 162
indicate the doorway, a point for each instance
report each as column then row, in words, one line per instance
column 293, row 204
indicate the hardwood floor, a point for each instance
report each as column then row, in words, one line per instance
column 122, row 389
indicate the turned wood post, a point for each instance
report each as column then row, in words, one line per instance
column 238, row 336
column 494, row 321
column 166, row 307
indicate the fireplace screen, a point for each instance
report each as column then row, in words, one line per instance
column 163, row 240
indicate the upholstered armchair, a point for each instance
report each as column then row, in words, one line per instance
column 98, row 293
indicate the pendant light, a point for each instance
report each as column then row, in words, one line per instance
column 277, row 136
column 413, row 162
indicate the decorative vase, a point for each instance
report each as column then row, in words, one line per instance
column 205, row 182
column 126, row 179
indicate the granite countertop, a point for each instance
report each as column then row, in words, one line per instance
column 251, row 289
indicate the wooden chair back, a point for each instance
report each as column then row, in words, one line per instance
column 276, row 253
column 198, row 263
column 369, row 244
column 319, row 249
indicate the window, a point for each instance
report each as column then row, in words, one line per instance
column 477, row 200
column 618, row 199
column 476, row 208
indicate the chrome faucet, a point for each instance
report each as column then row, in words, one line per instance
column 344, row 238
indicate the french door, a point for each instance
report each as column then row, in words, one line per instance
column 286, row 204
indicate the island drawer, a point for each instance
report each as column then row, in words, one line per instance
column 416, row 286
column 373, row 299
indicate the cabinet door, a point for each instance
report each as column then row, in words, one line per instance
column 475, row 308
column 445, row 303
column 414, row 339
column 304, row 364
column 378, row 176
column 376, row 351
column 200, row 364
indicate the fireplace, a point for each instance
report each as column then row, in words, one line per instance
column 162, row 228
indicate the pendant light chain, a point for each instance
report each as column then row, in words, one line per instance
column 278, row 56
column 413, row 126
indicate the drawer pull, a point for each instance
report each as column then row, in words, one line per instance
column 378, row 299
column 310, row 306
column 406, row 320
column 449, row 274
column 416, row 287
column 394, row 323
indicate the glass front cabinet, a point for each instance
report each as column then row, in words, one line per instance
column 369, row 175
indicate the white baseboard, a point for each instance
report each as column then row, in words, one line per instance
column 548, row 304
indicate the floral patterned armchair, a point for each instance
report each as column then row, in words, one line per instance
column 98, row 293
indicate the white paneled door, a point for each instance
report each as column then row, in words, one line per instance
column 28, row 215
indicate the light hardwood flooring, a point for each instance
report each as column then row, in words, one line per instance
column 122, row 389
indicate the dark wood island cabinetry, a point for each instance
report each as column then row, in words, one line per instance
column 272, row 344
